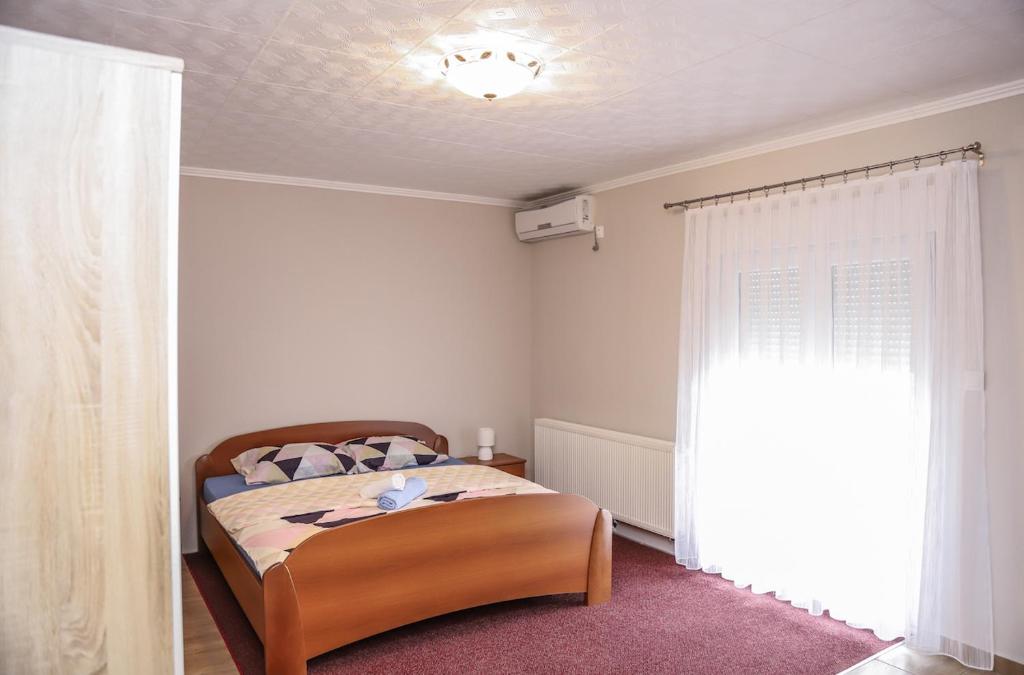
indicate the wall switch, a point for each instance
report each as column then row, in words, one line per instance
column 600, row 231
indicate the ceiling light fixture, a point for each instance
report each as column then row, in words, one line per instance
column 490, row 73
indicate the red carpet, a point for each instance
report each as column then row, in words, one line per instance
column 662, row 619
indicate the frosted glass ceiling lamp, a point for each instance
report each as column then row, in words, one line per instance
column 490, row 73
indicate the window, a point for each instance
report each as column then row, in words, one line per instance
column 773, row 302
column 871, row 317
column 871, row 314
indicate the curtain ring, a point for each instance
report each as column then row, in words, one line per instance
column 867, row 173
column 731, row 197
column 765, row 190
column 942, row 158
column 917, row 163
column 748, row 195
column 844, row 175
column 892, row 168
column 716, row 200
column 822, row 180
column 785, row 187
column 963, row 154
column 701, row 202
column 803, row 184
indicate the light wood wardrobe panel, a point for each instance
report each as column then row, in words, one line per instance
column 88, row 175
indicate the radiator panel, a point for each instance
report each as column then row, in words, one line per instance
column 631, row 476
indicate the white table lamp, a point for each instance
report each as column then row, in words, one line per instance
column 485, row 441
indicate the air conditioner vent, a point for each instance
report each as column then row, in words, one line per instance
column 573, row 216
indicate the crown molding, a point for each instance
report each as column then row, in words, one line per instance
column 966, row 100
column 201, row 172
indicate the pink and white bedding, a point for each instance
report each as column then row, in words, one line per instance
column 267, row 524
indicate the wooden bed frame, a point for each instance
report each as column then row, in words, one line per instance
column 367, row 577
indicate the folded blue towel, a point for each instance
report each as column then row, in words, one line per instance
column 392, row 500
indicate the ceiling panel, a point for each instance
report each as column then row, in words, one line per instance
column 667, row 40
column 633, row 129
column 456, row 128
column 351, row 90
column 315, row 68
column 357, row 27
column 978, row 56
column 764, row 18
column 868, row 29
column 208, row 92
column 206, row 50
column 559, row 23
column 70, row 18
column 585, row 79
column 412, row 121
column 281, row 101
column 446, row 8
column 239, row 16
column 645, row 117
column 977, row 10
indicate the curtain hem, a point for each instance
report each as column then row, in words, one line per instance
column 809, row 610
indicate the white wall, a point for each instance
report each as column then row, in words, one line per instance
column 307, row 305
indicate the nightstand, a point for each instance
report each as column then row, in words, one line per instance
column 507, row 463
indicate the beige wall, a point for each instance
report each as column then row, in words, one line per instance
column 606, row 324
column 303, row 305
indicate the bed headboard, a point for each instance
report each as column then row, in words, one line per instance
column 218, row 461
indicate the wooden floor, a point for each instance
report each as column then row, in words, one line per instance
column 206, row 654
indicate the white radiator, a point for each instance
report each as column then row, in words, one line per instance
column 629, row 475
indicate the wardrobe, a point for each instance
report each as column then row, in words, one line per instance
column 89, row 559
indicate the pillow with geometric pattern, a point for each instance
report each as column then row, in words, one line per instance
column 293, row 461
column 382, row 453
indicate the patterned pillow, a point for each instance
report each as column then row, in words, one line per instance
column 381, row 453
column 285, row 463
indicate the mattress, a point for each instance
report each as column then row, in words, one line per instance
column 219, row 487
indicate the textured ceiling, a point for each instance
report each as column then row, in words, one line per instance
column 349, row 90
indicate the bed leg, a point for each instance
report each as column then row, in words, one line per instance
column 283, row 647
column 599, row 575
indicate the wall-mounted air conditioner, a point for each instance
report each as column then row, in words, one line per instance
column 573, row 216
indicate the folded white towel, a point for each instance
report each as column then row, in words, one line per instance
column 395, row 481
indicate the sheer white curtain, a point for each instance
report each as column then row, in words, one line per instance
column 830, row 442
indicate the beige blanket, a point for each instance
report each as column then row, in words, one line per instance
column 270, row 522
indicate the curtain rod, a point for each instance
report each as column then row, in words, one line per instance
column 974, row 147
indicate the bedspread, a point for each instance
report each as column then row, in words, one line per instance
column 268, row 524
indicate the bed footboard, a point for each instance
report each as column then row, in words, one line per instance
column 362, row 579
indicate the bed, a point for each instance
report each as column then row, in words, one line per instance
column 366, row 577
